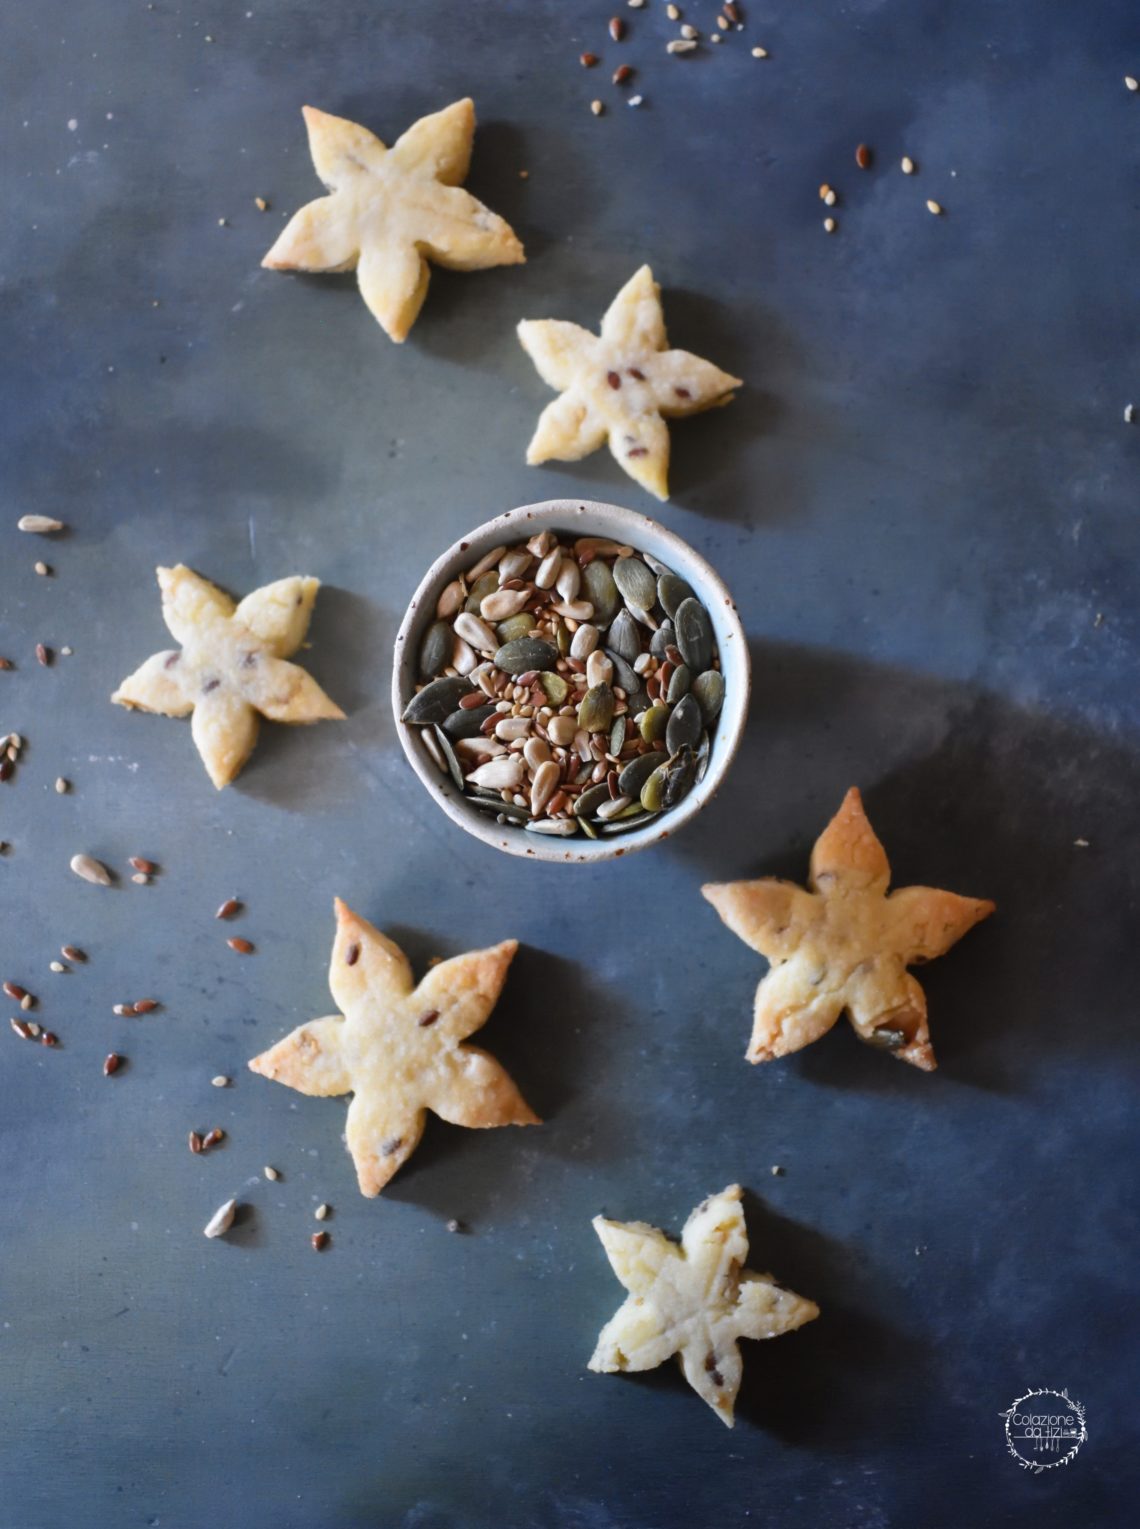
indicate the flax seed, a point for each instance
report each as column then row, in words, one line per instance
column 320, row 1241
column 147, row 866
column 72, row 953
column 228, row 908
column 243, row 947
column 863, row 157
column 43, row 654
column 271, row 1174
column 617, row 28
column 111, row 1063
column 588, row 60
column 194, row 1141
column 145, row 1005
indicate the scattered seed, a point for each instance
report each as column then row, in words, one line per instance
column 243, row 947
column 588, row 60
column 123, row 1009
column 141, row 879
column 66, row 651
column 322, row 1212
column 111, row 1063
column 680, row 45
column 5, row 663
column 43, row 654
column 271, row 1174
column 689, row 32
column 934, row 207
column 72, row 953
column 622, row 74
column 89, row 869
column 212, row 1138
column 15, row 991
column 56, row 966
column 62, row 786
column 320, row 1241
column 21, row 1029
column 145, row 1005
column 194, row 1141
column 617, row 28
column 228, row 908
column 148, row 866
column 221, row 1081
column 863, row 157
column 906, row 164
column 453, row 1225
column 27, row 1002
column 776, row 1170
column 48, row 1038
column 759, row 53
column 43, row 570
column 597, row 107
column 829, row 225
column 222, row 1219
column 261, row 204
column 673, row 12
column 635, row 5
column 1131, row 82
column 39, row 525
column 1129, row 413
column 32, row 1028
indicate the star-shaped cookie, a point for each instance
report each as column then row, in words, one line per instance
column 232, row 666
column 390, row 211
column 397, row 1048
column 845, row 944
column 694, row 1300
column 620, row 386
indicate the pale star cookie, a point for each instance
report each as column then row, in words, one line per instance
column 232, row 666
column 695, row 1300
column 620, row 386
column 392, row 210
column 397, row 1048
column 845, row 944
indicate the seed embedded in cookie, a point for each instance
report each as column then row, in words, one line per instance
column 606, row 675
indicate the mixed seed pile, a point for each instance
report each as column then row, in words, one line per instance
column 569, row 687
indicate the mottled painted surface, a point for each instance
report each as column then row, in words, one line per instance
column 925, row 501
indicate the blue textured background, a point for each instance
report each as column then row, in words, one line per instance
column 925, row 501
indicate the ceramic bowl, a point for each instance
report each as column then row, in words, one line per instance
column 573, row 518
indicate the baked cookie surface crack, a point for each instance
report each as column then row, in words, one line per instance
column 232, row 667
column 844, row 944
column 620, row 386
column 390, row 211
column 397, row 1047
column 695, row 1300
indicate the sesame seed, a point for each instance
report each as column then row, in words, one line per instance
column 934, row 207
column 56, row 966
column 597, row 108
column 221, row 1081
column 1131, row 82
column 776, row 1170
column 140, row 879
column 689, row 31
column 635, row 5
column 829, row 225
column 271, row 1174
column 261, row 204
column 906, row 164
column 62, row 786
column 322, row 1212
column 759, row 53
column 43, row 570
column 636, row 100
column 673, row 13
column 1129, row 413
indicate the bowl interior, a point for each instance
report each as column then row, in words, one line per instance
column 574, row 518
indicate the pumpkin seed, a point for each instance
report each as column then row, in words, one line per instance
column 554, row 687
column 885, row 1038
column 493, row 803
column 590, row 800
column 514, row 626
column 708, row 690
column 668, row 783
column 624, row 675
column 625, row 635
column 526, row 653
column 637, row 772
column 597, row 709
column 563, row 638
column 617, row 737
column 654, row 722
column 435, row 650
column 684, row 726
column 560, row 828
column 435, row 753
column 467, row 724
column 624, row 824
column 662, row 638
column 599, row 588
column 694, row 634
column 486, row 584
column 588, row 828
column 679, row 682
column 658, row 567
column 436, row 702
column 701, row 759
column 637, row 584
column 449, row 755
column 672, row 592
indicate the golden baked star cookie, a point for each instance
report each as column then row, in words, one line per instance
column 397, row 1048
column 390, row 211
column 695, row 1300
column 231, row 667
column 845, row 944
column 620, row 385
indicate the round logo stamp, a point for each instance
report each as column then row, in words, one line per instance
column 1044, row 1429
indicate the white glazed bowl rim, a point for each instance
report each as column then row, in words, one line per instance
column 576, row 517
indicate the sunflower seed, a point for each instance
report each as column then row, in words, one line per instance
column 585, row 641
column 708, row 691
column 488, row 561
column 514, row 564
column 662, row 638
column 503, row 604
column 612, row 809
column 672, row 592
column 624, row 675
column 436, row 701
column 463, row 657
column 558, row 827
column 509, row 728
column 435, row 650
column 91, row 870
column 597, row 709
column 450, row 759
column 574, row 610
column 536, row 752
column 548, row 571
column 701, row 759
column 502, row 774
column 467, row 723
column 526, row 653
column 694, row 634
column 599, row 669
column 39, row 525
column 569, row 580
column 479, row 749
column 222, row 1219
column 624, row 635
column 543, row 786
column 451, row 600
column 684, row 726
column 679, row 683
column 599, row 588
column 636, row 583
column 475, row 631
